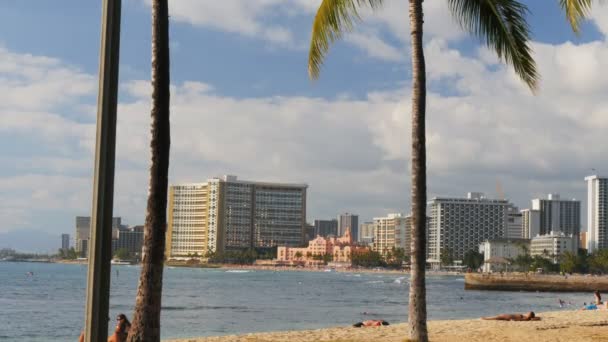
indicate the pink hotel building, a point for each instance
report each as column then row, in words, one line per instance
column 340, row 248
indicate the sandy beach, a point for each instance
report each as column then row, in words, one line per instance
column 554, row 326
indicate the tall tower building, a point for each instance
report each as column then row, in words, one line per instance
column 597, row 213
column 558, row 215
column 229, row 214
column 326, row 228
column 349, row 221
column 65, row 242
column 530, row 223
column 514, row 223
column 83, row 233
column 458, row 225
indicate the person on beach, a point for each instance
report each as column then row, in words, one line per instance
column 593, row 306
column 120, row 332
column 371, row 323
column 514, row 317
column 598, row 297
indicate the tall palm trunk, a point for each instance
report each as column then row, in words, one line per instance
column 146, row 319
column 417, row 305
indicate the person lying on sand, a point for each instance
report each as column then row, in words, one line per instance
column 514, row 317
column 371, row 323
column 593, row 306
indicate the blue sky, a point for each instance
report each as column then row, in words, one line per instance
column 242, row 104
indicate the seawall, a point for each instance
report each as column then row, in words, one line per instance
column 535, row 282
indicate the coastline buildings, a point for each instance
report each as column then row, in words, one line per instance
column 229, row 214
column 83, row 232
column 597, row 213
column 326, row 228
column 392, row 231
column 558, row 215
column 582, row 241
column 366, row 233
column 458, row 225
column 553, row 245
column 497, row 251
column 514, row 223
column 350, row 222
column 530, row 223
column 130, row 239
column 310, row 232
column 65, row 242
column 340, row 249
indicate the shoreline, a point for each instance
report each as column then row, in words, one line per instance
column 341, row 270
column 553, row 326
column 281, row 268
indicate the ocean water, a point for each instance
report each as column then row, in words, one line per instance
column 49, row 305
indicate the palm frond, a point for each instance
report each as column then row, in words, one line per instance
column 502, row 25
column 576, row 11
column 333, row 18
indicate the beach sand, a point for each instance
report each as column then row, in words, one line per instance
column 553, row 327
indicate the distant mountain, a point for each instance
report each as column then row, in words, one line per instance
column 30, row 241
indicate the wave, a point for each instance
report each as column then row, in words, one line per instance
column 238, row 271
column 399, row 280
column 204, row 307
column 375, row 282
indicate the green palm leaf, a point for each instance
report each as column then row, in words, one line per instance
column 576, row 10
column 333, row 18
column 502, row 24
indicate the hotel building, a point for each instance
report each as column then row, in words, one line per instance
column 514, row 223
column 340, row 249
column 530, row 221
column 558, row 215
column 393, row 231
column 461, row 224
column 597, row 213
column 553, row 245
column 229, row 214
column 366, row 232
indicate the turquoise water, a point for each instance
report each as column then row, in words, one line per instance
column 49, row 305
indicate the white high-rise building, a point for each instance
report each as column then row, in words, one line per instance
column 558, row 215
column 458, row 225
column 530, row 221
column 393, row 231
column 597, row 213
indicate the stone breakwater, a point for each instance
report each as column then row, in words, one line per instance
column 535, row 282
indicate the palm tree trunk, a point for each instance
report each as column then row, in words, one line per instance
column 146, row 319
column 417, row 300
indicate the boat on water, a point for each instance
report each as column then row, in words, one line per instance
column 120, row 262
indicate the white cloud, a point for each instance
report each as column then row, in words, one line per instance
column 354, row 152
column 376, row 47
column 599, row 15
column 251, row 19
column 235, row 16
